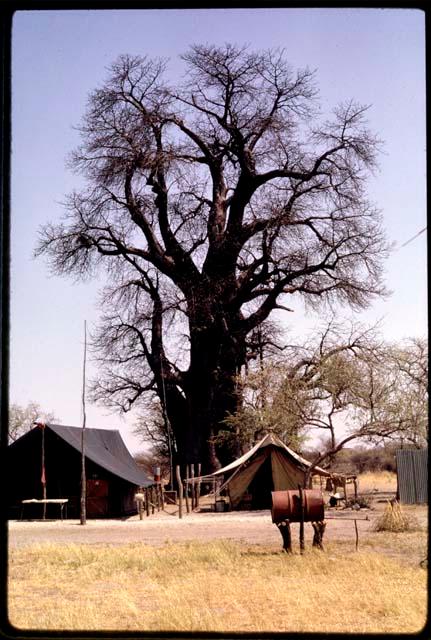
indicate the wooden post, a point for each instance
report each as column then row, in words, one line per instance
column 187, row 489
column 161, row 496
column 140, row 508
column 355, row 486
column 301, row 522
column 198, row 487
column 152, row 499
column 192, row 477
column 284, row 529
column 180, row 491
column 319, row 530
column 147, row 502
column 345, row 490
column 357, row 535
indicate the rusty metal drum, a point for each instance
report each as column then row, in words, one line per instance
column 286, row 506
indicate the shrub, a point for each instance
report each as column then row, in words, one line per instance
column 364, row 502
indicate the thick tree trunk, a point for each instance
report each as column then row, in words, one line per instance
column 211, row 394
column 209, row 387
column 190, row 421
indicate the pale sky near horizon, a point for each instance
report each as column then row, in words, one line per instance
column 375, row 56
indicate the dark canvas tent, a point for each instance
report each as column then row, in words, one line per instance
column 112, row 474
column 269, row 466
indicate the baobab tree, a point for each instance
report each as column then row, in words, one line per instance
column 209, row 205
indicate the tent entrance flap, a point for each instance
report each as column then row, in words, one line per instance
column 262, row 485
column 239, row 484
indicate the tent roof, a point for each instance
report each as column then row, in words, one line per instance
column 106, row 448
column 270, row 439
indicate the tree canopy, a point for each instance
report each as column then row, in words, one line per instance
column 208, row 205
column 23, row 418
column 346, row 384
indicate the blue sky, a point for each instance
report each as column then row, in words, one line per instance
column 376, row 56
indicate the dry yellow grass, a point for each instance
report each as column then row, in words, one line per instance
column 377, row 481
column 219, row 586
column 394, row 519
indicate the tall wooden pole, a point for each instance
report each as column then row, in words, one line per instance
column 168, row 428
column 84, row 419
column 43, row 477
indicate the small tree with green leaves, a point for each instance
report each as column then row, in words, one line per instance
column 345, row 383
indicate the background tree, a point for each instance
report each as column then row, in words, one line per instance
column 22, row 419
column 208, row 204
column 345, row 383
column 403, row 408
column 271, row 402
column 153, row 429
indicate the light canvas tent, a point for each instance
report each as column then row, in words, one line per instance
column 269, row 466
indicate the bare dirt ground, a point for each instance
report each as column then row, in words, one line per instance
column 253, row 527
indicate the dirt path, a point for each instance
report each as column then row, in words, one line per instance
column 251, row 526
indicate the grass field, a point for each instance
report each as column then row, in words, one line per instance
column 113, row 584
column 218, row 586
column 377, row 481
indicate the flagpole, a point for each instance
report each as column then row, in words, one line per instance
column 84, row 418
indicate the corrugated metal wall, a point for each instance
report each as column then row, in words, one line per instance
column 412, row 471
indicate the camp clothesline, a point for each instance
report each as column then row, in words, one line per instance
column 211, row 478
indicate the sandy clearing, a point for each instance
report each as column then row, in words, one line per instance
column 252, row 527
